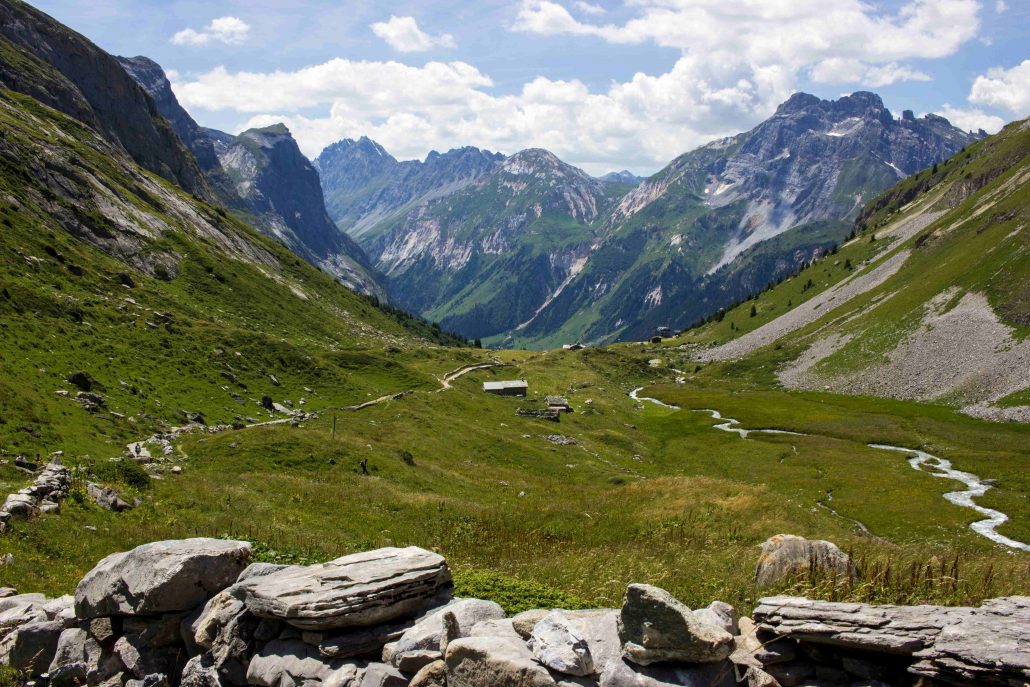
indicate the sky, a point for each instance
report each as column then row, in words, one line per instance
column 604, row 85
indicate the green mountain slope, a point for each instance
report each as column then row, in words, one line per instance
column 167, row 302
column 721, row 222
column 931, row 301
column 487, row 258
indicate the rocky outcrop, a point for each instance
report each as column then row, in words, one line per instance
column 360, row 590
column 657, row 628
column 45, row 494
column 984, row 646
column 161, row 577
column 788, row 555
column 67, row 72
column 179, row 613
column 281, row 187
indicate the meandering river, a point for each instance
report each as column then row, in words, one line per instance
column 934, row 465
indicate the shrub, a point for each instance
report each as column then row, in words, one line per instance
column 513, row 594
column 127, row 472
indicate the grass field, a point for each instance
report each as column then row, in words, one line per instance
column 647, row 494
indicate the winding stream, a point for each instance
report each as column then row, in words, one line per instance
column 935, row 466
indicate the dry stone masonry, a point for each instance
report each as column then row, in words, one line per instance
column 45, row 494
column 198, row 613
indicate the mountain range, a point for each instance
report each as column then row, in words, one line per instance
column 523, row 250
column 529, row 251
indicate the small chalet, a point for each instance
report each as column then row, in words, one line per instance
column 558, row 403
column 664, row 332
column 573, row 347
column 515, row 387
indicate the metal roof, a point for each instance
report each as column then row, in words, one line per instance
column 511, row 384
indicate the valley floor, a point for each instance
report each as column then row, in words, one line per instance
column 534, row 513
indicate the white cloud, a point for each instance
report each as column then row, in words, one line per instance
column 972, row 119
column 404, row 35
column 588, row 8
column 1007, row 89
column 788, row 32
column 836, row 70
column 227, row 30
column 1000, row 6
column 738, row 60
column 641, row 123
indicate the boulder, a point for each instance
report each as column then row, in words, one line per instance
column 160, row 577
column 719, row 614
column 382, row 675
column 990, row 647
column 426, row 635
column 525, row 621
column 21, row 609
column 494, row 628
column 787, row 555
column 152, row 680
column 364, row 641
column 32, row 647
column 281, row 661
column 359, row 590
column 557, row 645
column 626, row 674
column 20, row 505
column 600, row 629
column 75, row 653
column 431, row 675
column 107, row 498
column 494, row 662
column 199, row 672
column 656, row 627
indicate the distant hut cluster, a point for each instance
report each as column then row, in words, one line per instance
column 554, row 406
column 662, row 333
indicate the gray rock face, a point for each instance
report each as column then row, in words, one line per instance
column 382, row 675
column 989, row 647
column 31, row 647
column 86, row 83
column 655, row 627
column 785, row 555
column 494, row 662
column 719, row 614
column 985, row 645
column 625, row 674
column 160, row 577
column 281, row 187
column 107, row 498
column 424, row 638
column 559, row 646
column 283, row 660
column 359, row 590
column 431, row 675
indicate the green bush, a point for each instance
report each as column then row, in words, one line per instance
column 513, row 595
column 127, row 472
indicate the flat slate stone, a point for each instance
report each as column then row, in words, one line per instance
column 358, row 590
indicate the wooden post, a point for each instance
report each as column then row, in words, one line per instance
column 334, row 426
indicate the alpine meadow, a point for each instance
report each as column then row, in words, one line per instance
column 664, row 372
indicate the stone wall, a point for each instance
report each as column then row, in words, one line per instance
column 198, row 613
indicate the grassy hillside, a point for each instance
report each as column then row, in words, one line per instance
column 973, row 246
column 166, row 302
column 646, row 493
column 115, row 280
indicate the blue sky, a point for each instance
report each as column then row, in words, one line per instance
column 605, row 85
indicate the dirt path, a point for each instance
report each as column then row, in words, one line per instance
column 445, row 381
